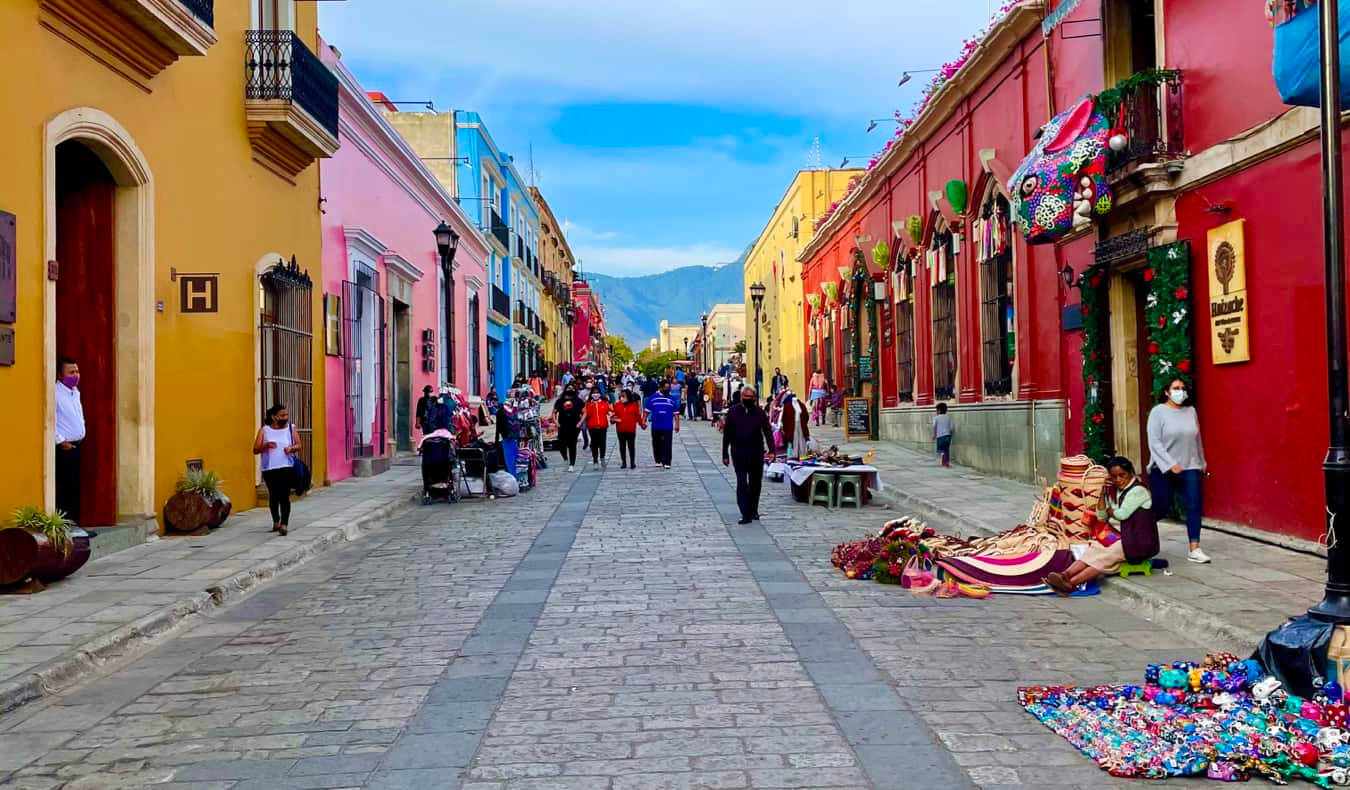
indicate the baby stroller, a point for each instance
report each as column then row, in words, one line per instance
column 440, row 470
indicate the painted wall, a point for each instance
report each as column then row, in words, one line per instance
column 375, row 184
column 214, row 210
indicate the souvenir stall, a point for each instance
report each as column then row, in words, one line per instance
column 797, row 472
column 1059, row 527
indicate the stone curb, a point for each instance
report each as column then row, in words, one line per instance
column 1174, row 615
column 146, row 632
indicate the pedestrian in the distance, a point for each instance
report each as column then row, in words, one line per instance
column 425, row 406
column 1176, row 465
column 597, row 425
column 779, row 382
column 942, row 435
column 746, row 434
column 277, row 442
column 627, row 420
column 569, row 411
column 663, row 414
column 817, row 395
column 70, row 430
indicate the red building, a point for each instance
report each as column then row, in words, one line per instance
column 1211, row 167
column 588, row 330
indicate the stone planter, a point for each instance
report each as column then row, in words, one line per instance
column 25, row 555
column 191, row 513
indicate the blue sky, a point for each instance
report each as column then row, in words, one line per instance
column 662, row 133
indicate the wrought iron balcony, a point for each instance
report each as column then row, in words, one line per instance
column 501, row 303
column 204, row 10
column 290, row 100
column 1151, row 119
column 520, row 248
column 500, row 230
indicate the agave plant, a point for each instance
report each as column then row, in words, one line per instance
column 199, row 481
column 54, row 526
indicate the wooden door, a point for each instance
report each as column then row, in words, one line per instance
column 402, row 377
column 86, row 317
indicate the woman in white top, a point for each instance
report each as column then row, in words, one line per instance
column 278, row 443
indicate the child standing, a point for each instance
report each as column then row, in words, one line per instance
column 942, row 434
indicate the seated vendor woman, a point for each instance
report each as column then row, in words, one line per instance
column 1105, row 554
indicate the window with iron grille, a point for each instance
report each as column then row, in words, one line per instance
column 286, row 374
column 827, row 348
column 997, row 337
column 942, row 272
column 363, row 346
column 475, row 386
column 904, row 348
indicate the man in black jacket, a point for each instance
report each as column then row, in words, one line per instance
column 745, row 435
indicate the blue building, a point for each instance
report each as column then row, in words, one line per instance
column 490, row 189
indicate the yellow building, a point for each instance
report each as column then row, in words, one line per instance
column 676, row 337
column 773, row 263
column 557, row 262
column 159, row 180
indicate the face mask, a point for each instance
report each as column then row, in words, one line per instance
column 748, row 403
column 70, row 381
column 282, row 423
column 1178, row 396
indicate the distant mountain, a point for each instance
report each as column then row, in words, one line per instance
column 635, row 306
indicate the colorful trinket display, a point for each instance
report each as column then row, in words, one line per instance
column 1222, row 718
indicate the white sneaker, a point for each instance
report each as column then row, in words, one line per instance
column 571, row 469
column 1198, row 556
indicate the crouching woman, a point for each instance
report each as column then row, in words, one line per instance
column 1126, row 498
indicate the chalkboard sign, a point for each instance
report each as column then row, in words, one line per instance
column 865, row 367
column 857, row 418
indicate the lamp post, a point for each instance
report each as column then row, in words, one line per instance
column 757, row 298
column 447, row 241
column 703, row 349
column 1335, row 604
column 686, row 347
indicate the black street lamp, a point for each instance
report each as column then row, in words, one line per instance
column 1335, row 604
column 757, row 298
column 703, row 349
column 447, row 241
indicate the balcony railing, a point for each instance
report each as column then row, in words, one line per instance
column 501, row 303
column 501, row 230
column 205, row 10
column 280, row 66
column 520, row 248
column 1151, row 116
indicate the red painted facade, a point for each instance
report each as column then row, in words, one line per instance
column 1263, row 421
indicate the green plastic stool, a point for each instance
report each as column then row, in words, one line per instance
column 822, row 490
column 853, row 485
column 1145, row 567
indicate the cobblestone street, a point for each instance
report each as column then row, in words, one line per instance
column 609, row 629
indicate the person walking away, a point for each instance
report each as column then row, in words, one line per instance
column 508, row 433
column 585, row 395
column 627, row 420
column 1176, row 464
column 745, row 435
column 778, row 383
column 569, row 411
column 597, row 425
column 277, row 443
column 942, row 434
column 709, row 390
column 664, row 417
column 649, row 387
column 70, row 433
column 424, row 406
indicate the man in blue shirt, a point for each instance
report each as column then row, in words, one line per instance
column 663, row 415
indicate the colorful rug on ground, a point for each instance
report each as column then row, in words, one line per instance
column 1221, row 718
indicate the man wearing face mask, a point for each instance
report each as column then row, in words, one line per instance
column 745, row 435
column 69, row 436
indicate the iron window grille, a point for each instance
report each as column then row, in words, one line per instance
column 285, row 326
column 363, row 346
column 998, row 337
column 904, row 349
column 944, row 317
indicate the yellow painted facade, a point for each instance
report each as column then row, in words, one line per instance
column 202, row 186
column 557, row 260
column 773, row 262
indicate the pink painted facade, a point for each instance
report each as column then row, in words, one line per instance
column 385, row 321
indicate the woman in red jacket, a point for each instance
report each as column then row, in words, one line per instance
column 627, row 419
column 597, row 425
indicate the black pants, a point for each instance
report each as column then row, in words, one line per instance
column 599, row 437
column 585, row 438
column 749, row 476
column 627, row 447
column 68, row 482
column 661, row 445
column 279, row 484
column 567, row 444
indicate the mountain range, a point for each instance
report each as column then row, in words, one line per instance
column 635, row 306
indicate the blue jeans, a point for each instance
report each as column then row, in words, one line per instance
column 1187, row 485
column 510, row 451
column 944, row 448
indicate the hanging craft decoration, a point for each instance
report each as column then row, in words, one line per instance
column 1062, row 182
column 831, row 291
column 814, row 301
column 881, row 255
column 956, row 195
column 915, row 226
column 844, row 272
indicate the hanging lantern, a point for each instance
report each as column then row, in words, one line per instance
column 956, row 195
column 881, row 255
column 915, row 226
column 844, row 272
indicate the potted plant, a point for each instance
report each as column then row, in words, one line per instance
column 41, row 545
column 198, row 504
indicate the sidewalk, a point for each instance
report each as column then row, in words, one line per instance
column 1249, row 589
column 124, row 602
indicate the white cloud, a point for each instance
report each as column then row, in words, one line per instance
column 634, row 261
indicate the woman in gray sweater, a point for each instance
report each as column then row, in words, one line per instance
column 1176, row 465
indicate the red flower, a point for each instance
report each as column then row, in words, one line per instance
column 1085, row 310
column 1184, row 366
column 1090, row 381
column 1152, row 348
column 1096, row 281
column 1162, row 320
column 1098, row 418
column 1093, row 355
column 1148, row 275
column 1182, row 293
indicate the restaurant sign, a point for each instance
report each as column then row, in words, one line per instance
column 1228, row 308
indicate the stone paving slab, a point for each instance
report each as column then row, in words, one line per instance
column 124, row 602
column 1250, row 588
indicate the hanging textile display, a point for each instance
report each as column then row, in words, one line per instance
column 991, row 235
column 1296, row 64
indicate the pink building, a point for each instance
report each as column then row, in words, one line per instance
column 392, row 322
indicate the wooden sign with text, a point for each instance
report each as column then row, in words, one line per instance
column 1230, row 336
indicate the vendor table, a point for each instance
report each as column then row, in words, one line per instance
column 798, row 476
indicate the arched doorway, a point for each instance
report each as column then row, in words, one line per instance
column 100, row 235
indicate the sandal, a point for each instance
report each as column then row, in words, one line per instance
column 1058, row 583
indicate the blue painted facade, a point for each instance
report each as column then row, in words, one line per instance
column 491, row 191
